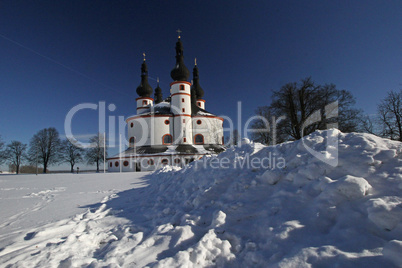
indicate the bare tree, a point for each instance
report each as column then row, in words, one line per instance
column 94, row 154
column 71, row 153
column 368, row 125
column 45, row 147
column 2, row 156
column 265, row 127
column 234, row 138
column 390, row 116
column 298, row 103
column 15, row 154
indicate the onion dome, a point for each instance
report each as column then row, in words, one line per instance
column 144, row 89
column 158, row 94
column 180, row 71
column 199, row 92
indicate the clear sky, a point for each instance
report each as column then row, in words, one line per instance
column 57, row 54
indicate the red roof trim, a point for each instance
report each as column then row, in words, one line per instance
column 180, row 82
column 144, row 98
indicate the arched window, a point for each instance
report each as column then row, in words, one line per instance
column 116, row 163
column 199, row 104
column 165, row 161
column 199, row 122
column 131, row 141
column 111, row 164
column 125, row 163
column 132, row 124
column 199, row 139
column 177, row 161
column 144, row 102
column 167, row 139
column 181, row 87
column 151, row 162
column 167, row 122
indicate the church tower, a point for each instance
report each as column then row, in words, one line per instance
column 197, row 89
column 181, row 99
column 144, row 90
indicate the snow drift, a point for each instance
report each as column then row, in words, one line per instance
column 224, row 211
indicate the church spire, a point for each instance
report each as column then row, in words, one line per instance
column 158, row 94
column 144, row 89
column 199, row 92
column 180, row 71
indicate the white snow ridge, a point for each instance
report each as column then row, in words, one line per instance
column 303, row 214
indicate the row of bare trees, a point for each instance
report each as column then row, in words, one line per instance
column 46, row 148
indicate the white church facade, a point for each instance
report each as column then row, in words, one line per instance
column 172, row 131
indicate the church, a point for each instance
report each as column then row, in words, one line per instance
column 172, row 131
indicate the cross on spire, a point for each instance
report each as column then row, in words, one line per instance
column 178, row 32
column 195, row 61
column 143, row 54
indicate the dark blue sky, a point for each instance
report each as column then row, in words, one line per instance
column 57, row 54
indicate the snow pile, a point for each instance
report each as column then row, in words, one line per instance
column 250, row 206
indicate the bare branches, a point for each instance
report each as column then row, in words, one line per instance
column 390, row 116
column 298, row 102
column 45, row 147
column 15, row 154
column 94, row 155
column 71, row 153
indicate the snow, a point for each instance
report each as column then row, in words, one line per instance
column 259, row 206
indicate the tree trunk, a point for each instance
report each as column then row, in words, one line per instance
column 44, row 167
column 97, row 166
column 72, row 168
column 18, row 169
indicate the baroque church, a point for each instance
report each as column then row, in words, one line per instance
column 172, row 131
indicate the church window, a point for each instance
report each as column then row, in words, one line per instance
column 182, row 99
column 125, row 163
column 184, row 121
column 181, row 87
column 183, row 110
column 184, row 140
column 177, row 161
column 199, row 104
column 167, row 139
column 199, row 139
column 144, row 102
column 151, row 162
column 116, row 164
column 199, row 122
column 165, row 161
column 131, row 141
column 132, row 124
column 111, row 164
column 167, row 122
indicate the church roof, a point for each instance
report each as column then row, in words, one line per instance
column 180, row 71
column 163, row 108
column 183, row 149
column 199, row 92
column 144, row 89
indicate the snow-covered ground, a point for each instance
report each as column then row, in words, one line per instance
column 230, row 210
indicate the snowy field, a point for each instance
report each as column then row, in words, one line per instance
column 306, row 214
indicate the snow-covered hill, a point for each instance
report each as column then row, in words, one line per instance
column 234, row 211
